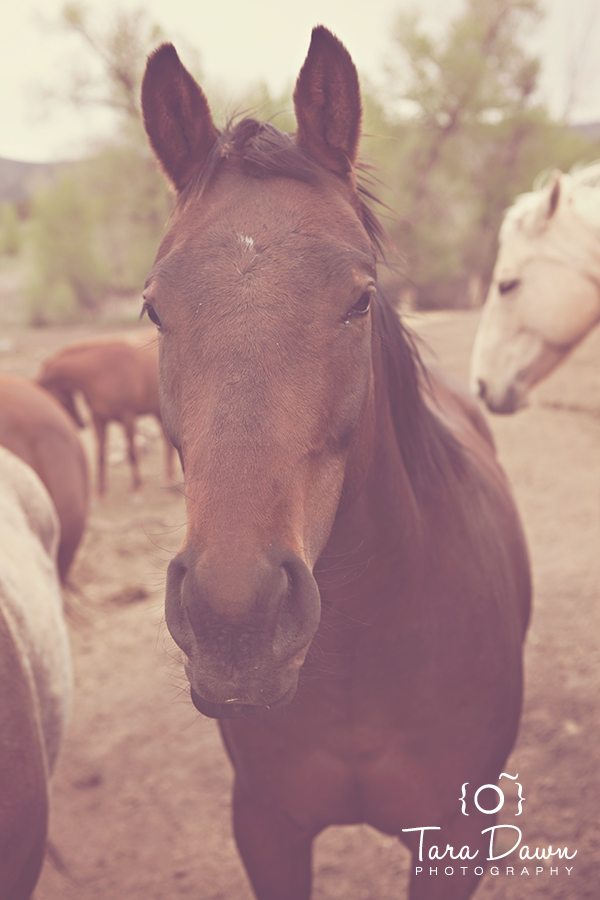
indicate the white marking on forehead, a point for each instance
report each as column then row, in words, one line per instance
column 246, row 242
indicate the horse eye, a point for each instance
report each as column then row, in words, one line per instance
column 364, row 304
column 505, row 287
column 151, row 313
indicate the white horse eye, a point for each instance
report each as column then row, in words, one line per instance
column 505, row 287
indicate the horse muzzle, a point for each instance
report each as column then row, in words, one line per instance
column 245, row 628
column 233, row 709
column 506, row 403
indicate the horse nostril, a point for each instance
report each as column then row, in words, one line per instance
column 482, row 389
column 298, row 610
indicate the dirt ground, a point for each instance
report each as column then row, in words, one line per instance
column 140, row 805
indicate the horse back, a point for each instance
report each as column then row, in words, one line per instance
column 35, row 427
column 117, row 377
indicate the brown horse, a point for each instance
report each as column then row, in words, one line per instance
column 35, row 672
column 353, row 590
column 36, row 428
column 119, row 382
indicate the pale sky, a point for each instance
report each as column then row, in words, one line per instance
column 242, row 42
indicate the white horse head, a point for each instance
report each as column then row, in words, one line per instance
column 545, row 291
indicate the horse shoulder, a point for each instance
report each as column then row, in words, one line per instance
column 23, row 772
column 30, row 593
column 144, row 377
column 35, row 674
column 127, row 377
column 101, row 371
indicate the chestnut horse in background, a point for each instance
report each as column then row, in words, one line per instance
column 35, row 427
column 119, row 381
column 35, row 672
column 353, row 591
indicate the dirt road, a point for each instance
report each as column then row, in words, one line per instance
column 141, row 794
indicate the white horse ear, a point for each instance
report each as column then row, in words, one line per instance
column 554, row 194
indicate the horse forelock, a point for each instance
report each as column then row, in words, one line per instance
column 260, row 150
column 523, row 214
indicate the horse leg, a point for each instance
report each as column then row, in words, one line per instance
column 276, row 852
column 100, row 429
column 136, row 481
column 449, row 876
column 22, row 888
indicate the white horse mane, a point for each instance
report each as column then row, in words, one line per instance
column 581, row 186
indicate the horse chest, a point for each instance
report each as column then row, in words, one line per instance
column 332, row 750
column 321, row 767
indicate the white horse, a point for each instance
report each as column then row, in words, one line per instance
column 545, row 291
column 35, row 672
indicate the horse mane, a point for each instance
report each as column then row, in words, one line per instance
column 260, row 150
column 428, row 448
column 581, row 185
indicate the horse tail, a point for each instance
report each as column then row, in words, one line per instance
column 65, row 396
column 67, row 399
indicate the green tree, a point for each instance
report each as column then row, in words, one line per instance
column 10, row 230
column 133, row 204
column 474, row 137
column 117, row 195
column 114, row 67
column 68, row 274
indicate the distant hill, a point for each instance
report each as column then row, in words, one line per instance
column 588, row 130
column 18, row 179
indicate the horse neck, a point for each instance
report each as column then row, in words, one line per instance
column 592, row 268
column 382, row 520
column 576, row 244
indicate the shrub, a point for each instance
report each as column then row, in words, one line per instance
column 68, row 276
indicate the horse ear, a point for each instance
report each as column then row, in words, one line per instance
column 554, row 194
column 177, row 117
column 327, row 104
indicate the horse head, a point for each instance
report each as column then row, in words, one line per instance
column 544, row 296
column 261, row 293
